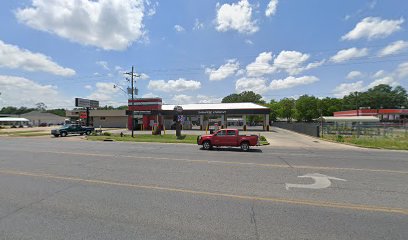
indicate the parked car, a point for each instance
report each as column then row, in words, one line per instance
column 72, row 129
column 228, row 137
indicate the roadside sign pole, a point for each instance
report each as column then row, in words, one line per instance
column 87, row 116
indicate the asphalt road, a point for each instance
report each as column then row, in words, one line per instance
column 66, row 188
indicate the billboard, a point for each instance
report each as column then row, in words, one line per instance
column 81, row 102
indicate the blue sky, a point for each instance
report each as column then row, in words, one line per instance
column 188, row 51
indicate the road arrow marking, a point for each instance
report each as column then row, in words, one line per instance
column 321, row 181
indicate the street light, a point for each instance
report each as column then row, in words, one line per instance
column 118, row 87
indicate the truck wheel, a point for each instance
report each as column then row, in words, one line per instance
column 63, row 134
column 207, row 145
column 56, row 135
column 88, row 132
column 245, row 146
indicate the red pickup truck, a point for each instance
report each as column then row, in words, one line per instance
column 228, row 137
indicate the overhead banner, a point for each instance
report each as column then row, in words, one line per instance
column 81, row 102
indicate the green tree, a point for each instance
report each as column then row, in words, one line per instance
column 14, row 110
column 286, row 108
column 124, row 107
column 327, row 106
column 41, row 106
column 307, row 108
column 273, row 106
column 58, row 111
column 246, row 96
column 380, row 96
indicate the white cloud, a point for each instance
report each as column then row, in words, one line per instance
column 224, row 71
column 240, row 72
column 179, row 28
column 394, row 48
column 104, row 92
column 89, row 87
column 19, row 91
column 107, row 24
column 372, row 4
column 257, row 85
column 178, row 85
column 346, row 88
column 271, row 8
column 249, row 42
column 402, row 70
column 208, row 99
column 347, row 54
column 379, row 74
column 292, row 62
column 181, row 98
column 150, row 95
column 13, row 57
column 354, row 74
column 151, row 7
column 198, row 25
column 144, row 76
column 236, row 16
column 385, row 80
column 373, row 27
column 103, row 64
column 291, row 82
column 261, row 66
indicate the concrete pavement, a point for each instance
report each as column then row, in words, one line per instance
column 56, row 188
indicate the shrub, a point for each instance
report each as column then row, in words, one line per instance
column 107, row 134
column 339, row 138
column 262, row 138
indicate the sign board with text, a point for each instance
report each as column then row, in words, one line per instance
column 81, row 102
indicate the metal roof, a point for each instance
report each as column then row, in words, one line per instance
column 214, row 106
column 11, row 119
column 352, row 119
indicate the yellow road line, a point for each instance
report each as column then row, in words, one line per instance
column 229, row 162
column 313, row 203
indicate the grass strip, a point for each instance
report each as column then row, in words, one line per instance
column 22, row 132
column 393, row 143
column 191, row 139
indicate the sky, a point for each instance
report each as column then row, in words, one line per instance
column 197, row 51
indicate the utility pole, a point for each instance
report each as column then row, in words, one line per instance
column 133, row 90
column 132, row 74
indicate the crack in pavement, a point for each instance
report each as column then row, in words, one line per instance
column 283, row 160
column 253, row 220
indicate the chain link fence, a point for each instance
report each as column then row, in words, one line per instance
column 381, row 129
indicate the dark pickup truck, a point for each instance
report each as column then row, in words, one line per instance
column 228, row 137
column 72, row 129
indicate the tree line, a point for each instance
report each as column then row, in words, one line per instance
column 307, row 107
column 43, row 108
column 22, row 110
